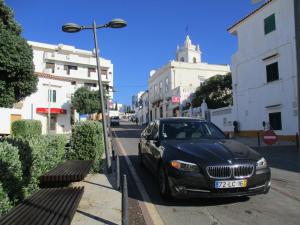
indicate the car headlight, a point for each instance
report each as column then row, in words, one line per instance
column 184, row 166
column 261, row 164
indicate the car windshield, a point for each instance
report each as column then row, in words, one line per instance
column 190, row 130
column 115, row 117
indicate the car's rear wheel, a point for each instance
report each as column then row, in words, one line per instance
column 163, row 184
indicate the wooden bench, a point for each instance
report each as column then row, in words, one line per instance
column 54, row 206
column 63, row 174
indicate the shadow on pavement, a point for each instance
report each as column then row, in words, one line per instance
column 281, row 157
column 104, row 221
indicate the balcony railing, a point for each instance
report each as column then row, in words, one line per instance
column 69, row 58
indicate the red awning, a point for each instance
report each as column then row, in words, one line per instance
column 52, row 110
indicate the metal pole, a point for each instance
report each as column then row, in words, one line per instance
column 258, row 139
column 297, row 39
column 118, row 173
column 107, row 156
column 49, row 106
column 125, row 202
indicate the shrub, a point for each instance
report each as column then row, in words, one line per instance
column 5, row 204
column 26, row 128
column 32, row 153
column 11, row 172
column 55, row 153
column 87, row 143
column 38, row 155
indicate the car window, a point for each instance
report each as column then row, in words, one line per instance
column 190, row 130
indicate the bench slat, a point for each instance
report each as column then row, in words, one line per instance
column 70, row 171
column 54, row 206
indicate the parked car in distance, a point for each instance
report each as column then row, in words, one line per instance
column 114, row 121
column 192, row 158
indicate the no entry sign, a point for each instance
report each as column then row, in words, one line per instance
column 270, row 137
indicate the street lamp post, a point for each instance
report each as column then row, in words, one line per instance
column 72, row 28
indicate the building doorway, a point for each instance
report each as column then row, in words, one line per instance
column 53, row 122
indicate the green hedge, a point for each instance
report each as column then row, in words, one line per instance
column 23, row 161
column 5, row 204
column 26, row 128
column 55, row 150
column 87, row 143
column 38, row 155
column 11, row 172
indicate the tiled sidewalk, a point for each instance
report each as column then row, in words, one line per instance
column 100, row 203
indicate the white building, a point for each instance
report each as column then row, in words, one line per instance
column 143, row 110
column 135, row 104
column 71, row 63
column 61, row 69
column 170, row 86
column 264, row 71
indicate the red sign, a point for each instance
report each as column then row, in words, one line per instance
column 52, row 110
column 175, row 99
column 270, row 137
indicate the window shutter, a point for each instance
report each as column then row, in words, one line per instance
column 269, row 24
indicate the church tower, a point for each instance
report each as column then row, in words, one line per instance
column 188, row 53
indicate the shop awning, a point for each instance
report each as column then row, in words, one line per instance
column 52, row 110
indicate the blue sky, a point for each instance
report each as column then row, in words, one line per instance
column 155, row 28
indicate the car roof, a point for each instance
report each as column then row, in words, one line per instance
column 182, row 119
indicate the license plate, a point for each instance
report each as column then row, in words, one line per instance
column 231, row 184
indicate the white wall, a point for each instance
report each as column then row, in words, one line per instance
column 253, row 96
column 223, row 118
column 39, row 99
column 5, row 114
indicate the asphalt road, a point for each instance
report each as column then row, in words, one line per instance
column 275, row 208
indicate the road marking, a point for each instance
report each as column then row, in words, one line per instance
column 147, row 203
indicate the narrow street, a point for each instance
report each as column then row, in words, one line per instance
column 274, row 208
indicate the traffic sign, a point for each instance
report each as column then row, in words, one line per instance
column 270, row 137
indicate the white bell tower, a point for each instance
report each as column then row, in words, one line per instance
column 188, row 53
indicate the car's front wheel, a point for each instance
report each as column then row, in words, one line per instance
column 163, row 183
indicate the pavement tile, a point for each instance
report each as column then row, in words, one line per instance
column 100, row 203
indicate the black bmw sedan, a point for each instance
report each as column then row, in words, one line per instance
column 192, row 158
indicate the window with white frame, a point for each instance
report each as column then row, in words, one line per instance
column 51, row 95
column 167, row 85
column 160, row 88
column 155, row 90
